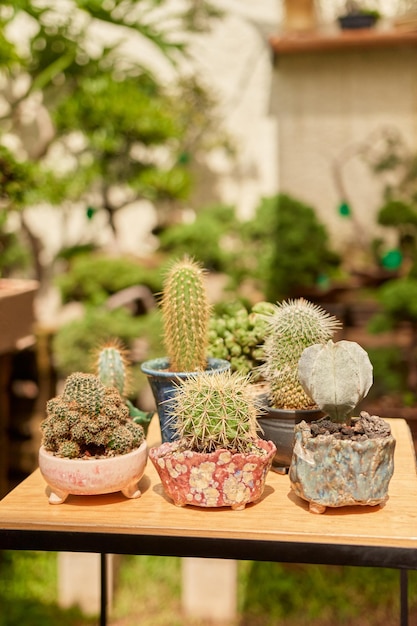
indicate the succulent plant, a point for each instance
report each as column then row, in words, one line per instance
column 113, row 369
column 185, row 312
column 89, row 419
column 212, row 412
column 337, row 376
column 293, row 326
column 237, row 335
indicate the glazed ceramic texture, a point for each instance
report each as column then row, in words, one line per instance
column 93, row 476
column 214, row 479
column 334, row 473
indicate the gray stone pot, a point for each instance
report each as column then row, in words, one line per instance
column 330, row 472
column 278, row 426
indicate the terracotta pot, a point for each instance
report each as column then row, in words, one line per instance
column 90, row 477
column 214, row 479
column 163, row 383
column 278, row 426
column 330, row 472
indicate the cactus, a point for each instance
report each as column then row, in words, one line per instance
column 211, row 412
column 293, row 326
column 113, row 366
column 185, row 312
column 89, row 419
column 237, row 336
column 113, row 369
column 337, row 376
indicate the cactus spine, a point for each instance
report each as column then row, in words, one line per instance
column 293, row 326
column 211, row 412
column 89, row 419
column 185, row 312
column 337, row 376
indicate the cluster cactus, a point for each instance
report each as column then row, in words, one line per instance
column 185, row 313
column 293, row 326
column 237, row 336
column 212, row 412
column 89, row 419
column 337, row 376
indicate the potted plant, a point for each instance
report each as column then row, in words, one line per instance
column 90, row 444
column 356, row 16
column 292, row 326
column 185, row 314
column 340, row 460
column 113, row 368
column 217, row 458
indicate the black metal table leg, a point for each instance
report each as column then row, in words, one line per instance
column 103, row 589
column 404, row 596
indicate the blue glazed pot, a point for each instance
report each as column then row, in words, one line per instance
column 329, row 472
column 164, row 382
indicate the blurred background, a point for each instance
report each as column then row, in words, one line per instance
column 274, row 141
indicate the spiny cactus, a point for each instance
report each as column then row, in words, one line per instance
column 112, row 366
column 293, row 326
column 211, row 412
column 89, row 419
column 337, row 376
column 237, row 336
column 113, row 369
column 185, row 312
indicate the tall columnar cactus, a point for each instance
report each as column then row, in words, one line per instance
column 293, row 326
column 337, row 376
column 185, row 312
column 89, row 419
column 211, row 412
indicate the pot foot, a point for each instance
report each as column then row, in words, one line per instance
column 238, row 507
column 313, row 507
column 56, row 496
column 132, row 490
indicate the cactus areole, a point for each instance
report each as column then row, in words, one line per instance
column 337, row 376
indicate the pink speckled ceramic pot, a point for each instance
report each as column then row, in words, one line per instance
column 213, row 479
column 93, row 476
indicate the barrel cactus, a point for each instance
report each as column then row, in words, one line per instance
column 89, row 419
column 212, row 412
column 293, row 326
column 185, row 313
column 337, row 376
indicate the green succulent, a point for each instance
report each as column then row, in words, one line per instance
column 293, row 326
column 237, row 335
column 212, row 412
column 89, row 419
column 185, row 312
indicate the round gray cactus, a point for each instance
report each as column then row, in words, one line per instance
column 337, row 376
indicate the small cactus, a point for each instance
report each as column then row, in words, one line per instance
column 237, row 336
column 293, row 326
column 89, row 419
column 112, row 366
column 185, row 312
column 113, row 369
column 337, row 376
column 212, row 412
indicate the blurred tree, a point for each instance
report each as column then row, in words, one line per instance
column 108, row 122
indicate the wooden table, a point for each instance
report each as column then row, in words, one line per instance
column 278, row 528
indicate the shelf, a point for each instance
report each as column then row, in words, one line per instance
column 317, row 41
